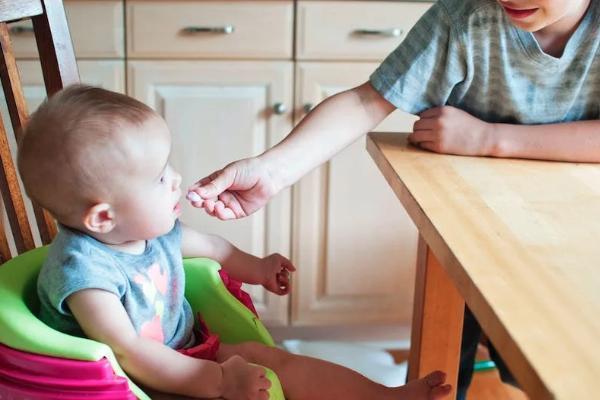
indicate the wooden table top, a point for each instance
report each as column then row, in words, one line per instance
column 521, row 241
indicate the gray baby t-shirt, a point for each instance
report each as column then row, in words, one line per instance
column 150, row 285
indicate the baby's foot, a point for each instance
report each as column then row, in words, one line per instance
column 431, row 387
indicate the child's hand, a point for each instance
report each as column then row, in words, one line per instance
column 450, row 130
column 244, row 381
column 276, row 273
column 235, row 191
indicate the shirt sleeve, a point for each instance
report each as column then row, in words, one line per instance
column 424, row 69
column 79, row 271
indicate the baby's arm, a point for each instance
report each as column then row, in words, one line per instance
column 103, row 318
column 451, row 130
column 272, row 271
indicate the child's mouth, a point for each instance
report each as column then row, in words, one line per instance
column 519, row 14
column 177, row 208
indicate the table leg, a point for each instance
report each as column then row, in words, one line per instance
column 437, row 320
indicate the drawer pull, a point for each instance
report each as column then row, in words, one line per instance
column 227, row 29
column 392, row 32
column 279, row 108
column 21, row 30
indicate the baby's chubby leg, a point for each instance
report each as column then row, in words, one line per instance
column 312, row 379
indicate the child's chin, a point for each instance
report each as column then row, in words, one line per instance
column 160, row 231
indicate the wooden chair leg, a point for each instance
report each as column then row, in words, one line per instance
column 437, row 321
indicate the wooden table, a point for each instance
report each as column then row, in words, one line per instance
column 519, row 241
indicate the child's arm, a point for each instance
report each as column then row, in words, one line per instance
column 247, row 185
column 272, row 271
column 450, row 130
column 103, row 318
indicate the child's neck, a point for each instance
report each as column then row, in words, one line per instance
column 130, row 246
column 134, row 247
column 553, row 38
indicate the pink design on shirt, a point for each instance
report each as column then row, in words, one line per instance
column 158, row 278
column 156, row 281
column 153, row 330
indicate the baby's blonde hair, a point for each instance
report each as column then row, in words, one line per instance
column 70, row 147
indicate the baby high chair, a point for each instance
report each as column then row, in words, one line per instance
column 37, row 362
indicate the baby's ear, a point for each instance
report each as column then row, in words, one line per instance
column 99, row 218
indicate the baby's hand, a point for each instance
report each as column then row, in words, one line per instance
column 276, row 272
column 244, row 381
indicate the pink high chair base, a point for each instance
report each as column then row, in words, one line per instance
column 31, row 376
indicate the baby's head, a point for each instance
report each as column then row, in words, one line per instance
column 98, row 161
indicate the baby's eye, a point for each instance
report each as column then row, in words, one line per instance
column 163, row 179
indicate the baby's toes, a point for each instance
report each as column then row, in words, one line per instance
column 435, row 378
column 439, row 392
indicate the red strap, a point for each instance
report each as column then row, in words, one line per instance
column 235, row 288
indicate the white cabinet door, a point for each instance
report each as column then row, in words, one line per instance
column 108, row 74
column 218, row 112
column 353, row 243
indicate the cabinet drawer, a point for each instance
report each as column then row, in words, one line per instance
column 210, row 29
column 353, row 30
column 96, row 29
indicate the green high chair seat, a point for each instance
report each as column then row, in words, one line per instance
column 22, row 331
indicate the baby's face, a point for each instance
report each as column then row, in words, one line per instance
column 535, row 15
column 149, row 203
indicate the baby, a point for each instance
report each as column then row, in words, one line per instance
column 98, row 161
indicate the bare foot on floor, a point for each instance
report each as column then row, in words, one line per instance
column 431, row 387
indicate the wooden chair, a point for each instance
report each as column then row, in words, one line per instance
column 59, row 69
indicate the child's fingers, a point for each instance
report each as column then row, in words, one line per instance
column 265, row 384
column 425, row 124
column 431, row 146
column 233, row 204
column 283, row 285
column 422, row 136
column 222, row 212
column 209, row 205
column 283, row 280
column 431, row 113
column 201, row 182
column 195, row 199
column 287, row 264
column 215, row 183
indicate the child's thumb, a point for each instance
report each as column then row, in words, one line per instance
column 218, row 183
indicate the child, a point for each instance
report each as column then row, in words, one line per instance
column 499, row 78
column 98, row 161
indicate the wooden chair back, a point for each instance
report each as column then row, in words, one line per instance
column 59, row 69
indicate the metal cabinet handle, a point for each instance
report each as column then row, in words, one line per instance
column 307, row 107
column 227, row 29
column 279, row 108
column 21, row 29
column 392, row 32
